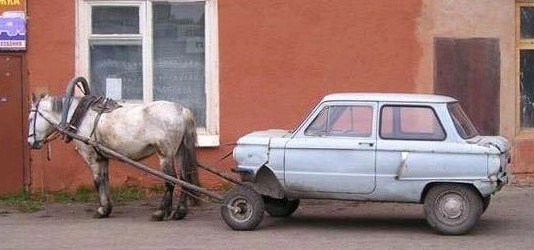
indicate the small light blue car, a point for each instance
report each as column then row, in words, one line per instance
column 380, row 147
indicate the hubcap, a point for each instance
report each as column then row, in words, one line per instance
column 452, row 208
column 242, row 209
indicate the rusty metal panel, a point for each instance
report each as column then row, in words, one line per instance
column 469, row 70
column 11, row 125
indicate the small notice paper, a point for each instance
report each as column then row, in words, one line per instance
column 114, row 88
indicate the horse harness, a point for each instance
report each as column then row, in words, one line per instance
column 48, row 138
column 98, row 104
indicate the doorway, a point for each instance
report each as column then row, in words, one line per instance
column 470, row 71
column 12, row 137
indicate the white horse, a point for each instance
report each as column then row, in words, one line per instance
column 134, row 130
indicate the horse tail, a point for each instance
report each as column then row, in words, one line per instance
column 187, row 150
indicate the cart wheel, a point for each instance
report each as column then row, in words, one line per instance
column 242, row 209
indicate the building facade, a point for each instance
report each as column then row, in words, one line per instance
column 244, row 65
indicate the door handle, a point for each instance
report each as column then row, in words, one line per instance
column 3, row 99
column 370, row 144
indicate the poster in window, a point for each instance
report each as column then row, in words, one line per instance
column 114, row 88
column 12, row 25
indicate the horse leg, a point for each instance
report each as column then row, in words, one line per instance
column 181, row 209
column 101, row 180
column 165, row 206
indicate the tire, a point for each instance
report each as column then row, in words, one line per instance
column 280, row 207
column 452, row 209
column 485, row 203
column 249, row 209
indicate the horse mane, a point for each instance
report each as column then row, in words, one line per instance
column 57, row 104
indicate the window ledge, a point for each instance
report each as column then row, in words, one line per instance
column 207, row 141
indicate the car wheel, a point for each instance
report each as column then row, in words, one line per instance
column 452, row 209
column 242, row 208
column 485, row 203
column 280, row 207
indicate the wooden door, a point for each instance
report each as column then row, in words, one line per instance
column 12, row 137
column 469, row 70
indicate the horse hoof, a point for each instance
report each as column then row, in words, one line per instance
column 158, row 215
column 179, row 214
column 101, row 213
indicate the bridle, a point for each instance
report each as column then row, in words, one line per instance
column 58, row 128
column 50, row 136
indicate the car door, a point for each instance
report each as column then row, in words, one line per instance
column 414, row 148
column 334, row 151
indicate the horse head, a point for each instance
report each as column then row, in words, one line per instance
column 41, row 119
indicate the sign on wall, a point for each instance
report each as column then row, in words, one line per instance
column 12, row 25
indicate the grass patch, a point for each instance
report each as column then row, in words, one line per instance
column 82, row 194
column 156, row 189
column 85, row 194
column 23, row 202
column 125, row 194
column 28, row 203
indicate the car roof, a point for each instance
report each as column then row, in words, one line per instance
column 389, row 97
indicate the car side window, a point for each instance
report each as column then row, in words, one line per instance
column 342, row 121
column 410, row 123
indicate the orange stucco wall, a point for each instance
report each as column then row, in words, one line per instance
column 277, row 59
column 50, row 65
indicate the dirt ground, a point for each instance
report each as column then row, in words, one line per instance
column 507, row 224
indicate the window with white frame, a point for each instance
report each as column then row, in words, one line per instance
column 525, row 52
column 149, row 50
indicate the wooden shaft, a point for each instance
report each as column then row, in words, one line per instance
column 140, row 166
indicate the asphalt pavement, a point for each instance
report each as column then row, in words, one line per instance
column 507, row 224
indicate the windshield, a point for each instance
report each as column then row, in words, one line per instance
column 463, row 125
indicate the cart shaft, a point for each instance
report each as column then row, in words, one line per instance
column 141, row 166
